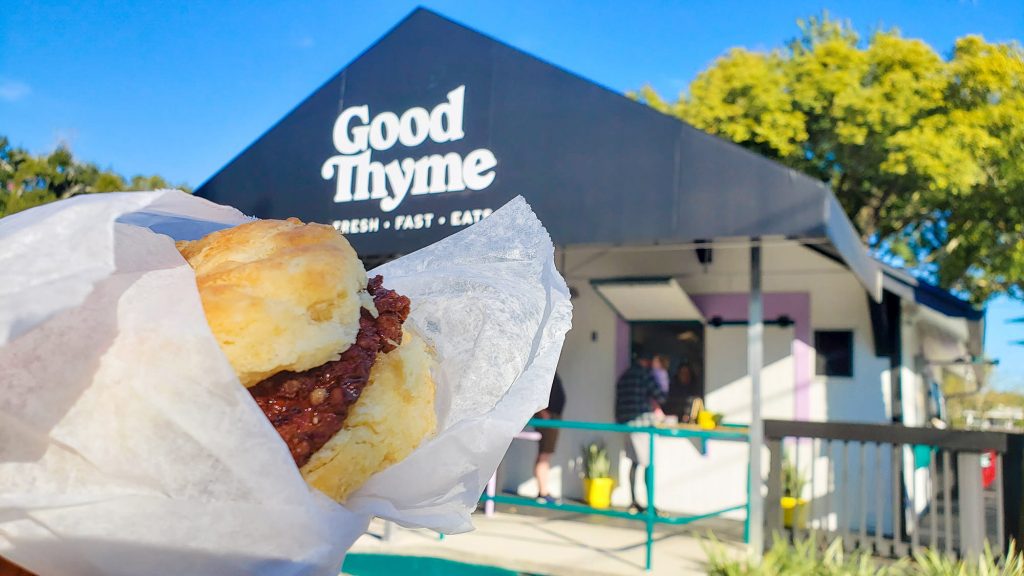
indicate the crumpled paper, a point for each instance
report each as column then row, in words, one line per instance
column 128, row 446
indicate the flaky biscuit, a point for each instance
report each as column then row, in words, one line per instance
column 278, row 294
column 392, row 417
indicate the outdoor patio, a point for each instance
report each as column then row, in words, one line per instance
column 537, row 541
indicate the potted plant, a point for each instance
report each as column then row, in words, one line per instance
column 597, row 480
column 794, row 506
column 707, row 420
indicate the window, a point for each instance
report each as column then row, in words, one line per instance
column 835, row 352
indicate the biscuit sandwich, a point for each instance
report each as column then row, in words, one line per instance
column 322, row 349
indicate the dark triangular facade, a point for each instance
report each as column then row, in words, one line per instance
column 439, row 124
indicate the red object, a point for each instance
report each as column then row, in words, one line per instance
column 988, row 468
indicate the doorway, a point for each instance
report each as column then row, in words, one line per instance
column 680, row 345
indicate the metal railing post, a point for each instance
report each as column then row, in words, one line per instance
column 773, row 506
column 972, row 504
column 947, row 501
column 651, row 512
column 755, row 363
column 1013, row 490
column 896, row 472
column 746, row 510
column 933, row 499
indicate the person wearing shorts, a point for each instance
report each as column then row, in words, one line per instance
column 548, row 439
column 638, row 401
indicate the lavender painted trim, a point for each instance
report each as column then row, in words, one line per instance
column 796, row 305
column 622, row 346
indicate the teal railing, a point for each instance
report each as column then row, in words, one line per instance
column 725, row 432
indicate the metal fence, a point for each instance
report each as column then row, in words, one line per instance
column 893, row 489
column 649, row 517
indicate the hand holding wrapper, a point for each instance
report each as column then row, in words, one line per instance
column 128, row 446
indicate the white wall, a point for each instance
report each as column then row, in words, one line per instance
column 838, row 301
column 587, row 370
column 692, row 482
column 727, row 383
column 688, row 481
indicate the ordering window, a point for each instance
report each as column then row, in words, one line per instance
column 834, row 352
column 680, row 346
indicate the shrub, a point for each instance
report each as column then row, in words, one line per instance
column 932, row 563
column 806, row 558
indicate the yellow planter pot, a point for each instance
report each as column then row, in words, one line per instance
column 598, row 491
column 793, row 508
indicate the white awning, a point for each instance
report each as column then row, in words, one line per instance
column 636, row 299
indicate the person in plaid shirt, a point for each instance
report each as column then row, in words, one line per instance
column 638, row 400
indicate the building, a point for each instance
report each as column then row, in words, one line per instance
column 1008, row 418
column 656, row 224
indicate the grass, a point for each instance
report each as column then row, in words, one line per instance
column 807, row 558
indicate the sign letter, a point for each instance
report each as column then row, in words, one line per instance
column 477, row 169
column 354, row 141
column 446, row 119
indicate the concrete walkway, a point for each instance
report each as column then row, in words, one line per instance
column 558, row 543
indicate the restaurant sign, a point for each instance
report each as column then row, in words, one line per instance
column 360, row 178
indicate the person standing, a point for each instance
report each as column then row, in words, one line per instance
column 684, row 392
column 638, row 400
column 659, row 371
column 548, row 439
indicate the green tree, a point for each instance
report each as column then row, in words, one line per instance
column 28, row 180
column 925, row 153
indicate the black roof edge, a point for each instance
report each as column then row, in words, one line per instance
column 646, row 108
column 934, row 297
column 941, row 300
column 422, row 9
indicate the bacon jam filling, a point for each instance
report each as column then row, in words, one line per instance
column 308, row 408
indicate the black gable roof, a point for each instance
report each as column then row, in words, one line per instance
column 597, row 167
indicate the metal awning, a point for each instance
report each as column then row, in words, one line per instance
column 636, row 299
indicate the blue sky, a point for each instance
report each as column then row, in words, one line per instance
column 180, row 88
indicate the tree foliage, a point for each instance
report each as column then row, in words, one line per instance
column 925, row 153
column 28, row 180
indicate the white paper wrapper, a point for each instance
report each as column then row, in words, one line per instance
column 128, row 446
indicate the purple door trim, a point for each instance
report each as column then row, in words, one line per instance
column 733, row 307
column 796, row 305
